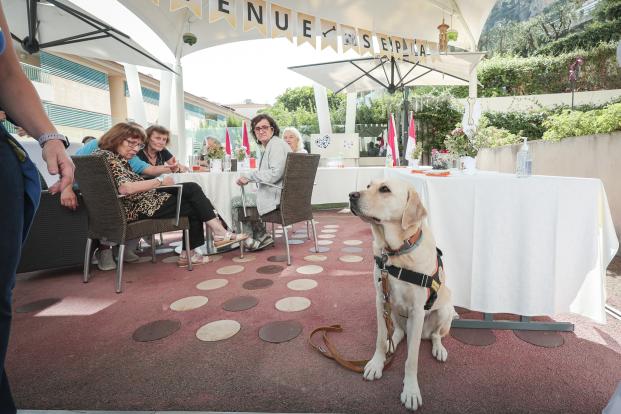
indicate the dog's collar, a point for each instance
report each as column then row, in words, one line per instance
column 407, row 246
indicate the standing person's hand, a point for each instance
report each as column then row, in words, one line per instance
column 242, row 181
column 58, row 162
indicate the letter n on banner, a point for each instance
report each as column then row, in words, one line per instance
column 282, row 22
column 255, row 16
column 366, row 42
column 195, row 6
column 223, row 9
column 329, row 36
column 306, row 29
column 350, row 38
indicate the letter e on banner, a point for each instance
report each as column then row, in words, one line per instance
column 306, row 29
column 223, row 9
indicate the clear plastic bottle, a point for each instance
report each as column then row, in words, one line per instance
column 227, row 163
column 388, row 158
column 523, row 162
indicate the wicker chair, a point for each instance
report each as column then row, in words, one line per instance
column 106, row 216
column 295, row 198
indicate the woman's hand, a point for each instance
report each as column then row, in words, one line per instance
column 242, row 181
column 68, row 198
column 168, row 181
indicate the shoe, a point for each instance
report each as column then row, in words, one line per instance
column 105, row 261
column 228, row 238
column 95, row 258
column 130, row 257
column 267, row 241
column 251, row 244
column 197, row 259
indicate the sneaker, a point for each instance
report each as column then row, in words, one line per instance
column 130, row 257
column 95, row 258
column 106, row 260
column 251, row 244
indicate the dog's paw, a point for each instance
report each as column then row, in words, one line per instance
column 373, row 369
column 439, row 352
column 411, row 398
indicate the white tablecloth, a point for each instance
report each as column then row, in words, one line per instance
column 529, row 246
column 333, row 185
column 219, row 187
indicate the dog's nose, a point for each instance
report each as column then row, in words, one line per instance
column 354, row 195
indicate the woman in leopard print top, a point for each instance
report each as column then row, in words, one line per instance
column 143, row 201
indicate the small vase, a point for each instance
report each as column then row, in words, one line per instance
column 215, row 165
column 413, row 163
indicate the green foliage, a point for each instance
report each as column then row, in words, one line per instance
column 577, row 123
column 549, row 74
column 215, row 152
column 233, row 122
column 489, row 136
column 304, row 97
column 608, row 10
column 595, row 33
column 417, row 151
column 439, row 116
column 526, row 124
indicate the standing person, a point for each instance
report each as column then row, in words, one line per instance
column 155, row 152
column 271, row 171
column 292, row 136
column 19, row 181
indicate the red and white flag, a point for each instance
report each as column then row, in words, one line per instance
column 409, row 148
column 391, row 148
column 245, row 140
column 227, row 144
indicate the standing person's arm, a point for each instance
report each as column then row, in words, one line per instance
column 21, row 102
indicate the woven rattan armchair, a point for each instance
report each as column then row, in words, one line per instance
column 295, row 198
column 106, row 216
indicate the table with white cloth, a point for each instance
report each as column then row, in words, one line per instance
column 219, row 187
column 333, row 185
column 530, row 246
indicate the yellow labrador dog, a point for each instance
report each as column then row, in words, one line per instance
column 400, row 236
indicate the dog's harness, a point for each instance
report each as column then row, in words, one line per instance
column 432, row 283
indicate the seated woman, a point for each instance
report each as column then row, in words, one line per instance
column 142, row 201
column 293, row 137
column 155, row 152
column 271, row 170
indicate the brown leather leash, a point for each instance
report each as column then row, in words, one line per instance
column 330, row 351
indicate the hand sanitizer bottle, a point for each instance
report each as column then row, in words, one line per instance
column 388, row 158
column 523, row 164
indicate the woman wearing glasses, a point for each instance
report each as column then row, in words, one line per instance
column 142, row 201
column 271, row 170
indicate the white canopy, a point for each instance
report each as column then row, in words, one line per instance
column 63, row 27
column 365, row 74
column 407, row 18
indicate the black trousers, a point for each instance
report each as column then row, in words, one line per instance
column 195, row 205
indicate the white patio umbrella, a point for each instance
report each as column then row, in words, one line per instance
column 366, row 74
column 61, row 26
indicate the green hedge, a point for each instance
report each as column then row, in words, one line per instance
column 598, row 32
column 524, row 124
column 507, row 76
column 576, row 123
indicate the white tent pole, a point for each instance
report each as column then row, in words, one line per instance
column 163, row 117
column 136, row 104
column 350, row 113
column 323, row 110
column 472, row 85
column 178, row 126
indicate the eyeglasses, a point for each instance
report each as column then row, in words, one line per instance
column 136, row 145
column 262, row 128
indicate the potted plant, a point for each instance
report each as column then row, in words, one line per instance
column 239, row 154
column 461, row 147
column 215, row 155
column 415, row 154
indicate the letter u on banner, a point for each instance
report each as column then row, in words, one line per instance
column 223, row 9
column 306, row 29
column 195, row 6
column 282, row 22
column 255, row 16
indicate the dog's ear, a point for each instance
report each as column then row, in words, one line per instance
column 414, row 211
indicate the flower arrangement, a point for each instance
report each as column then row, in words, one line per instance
column 240, row 153
column 458, row 143
column 215, row 153
column 441, row 159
